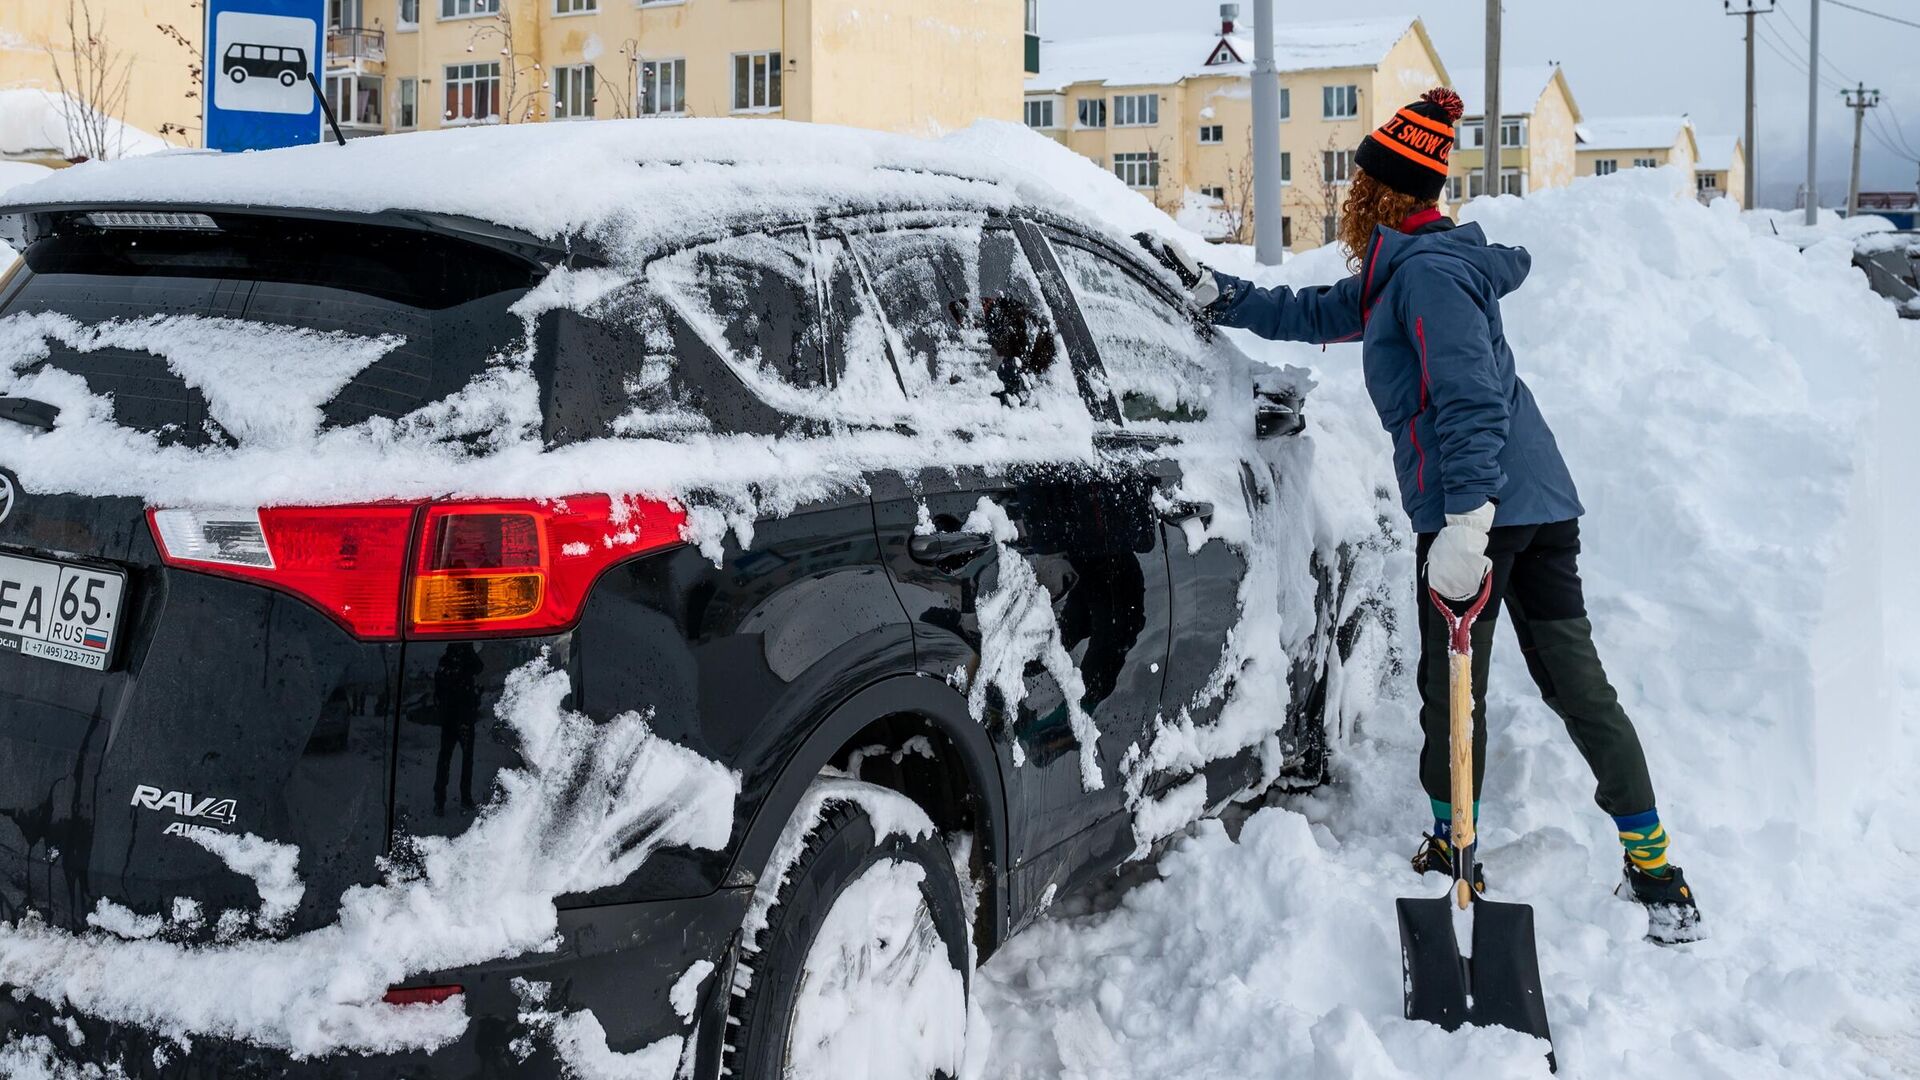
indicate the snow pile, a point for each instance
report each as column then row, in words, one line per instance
column 42, row 124
column 591, row 802
column 1728, row 406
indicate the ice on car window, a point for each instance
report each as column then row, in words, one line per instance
column 967, row 314
column 1154, row 359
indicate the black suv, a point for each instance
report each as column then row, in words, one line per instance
column 327, row 676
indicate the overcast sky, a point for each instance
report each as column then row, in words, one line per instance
column 1633, row 57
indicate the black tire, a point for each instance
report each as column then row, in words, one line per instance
column 288, row 78
column 838, row 851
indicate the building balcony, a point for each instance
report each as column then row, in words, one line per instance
column 352, row 45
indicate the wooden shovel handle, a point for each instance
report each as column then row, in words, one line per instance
column 1460, row 729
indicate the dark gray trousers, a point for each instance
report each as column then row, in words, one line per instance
column 1537, row 579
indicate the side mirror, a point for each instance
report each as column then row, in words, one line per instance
column 1277, row 414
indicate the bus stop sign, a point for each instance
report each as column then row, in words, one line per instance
column 260, row 55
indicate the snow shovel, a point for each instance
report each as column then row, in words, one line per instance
column 1497, row 981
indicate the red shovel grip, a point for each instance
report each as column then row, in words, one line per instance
column 1460, row 624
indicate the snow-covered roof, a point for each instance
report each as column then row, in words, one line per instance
column 1520, row 88
column 1716, row 152
column 1160, row 59
column 33, row 125
column 1633, row 132
column 633, row 183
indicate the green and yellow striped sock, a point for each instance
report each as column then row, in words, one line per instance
column 1645, row 840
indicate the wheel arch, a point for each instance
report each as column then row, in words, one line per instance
column 896, row 704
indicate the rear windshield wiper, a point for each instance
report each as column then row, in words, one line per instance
column 34, row 414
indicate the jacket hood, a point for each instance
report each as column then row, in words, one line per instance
column 1502, row 268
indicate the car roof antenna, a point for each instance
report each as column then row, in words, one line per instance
column 327, row 107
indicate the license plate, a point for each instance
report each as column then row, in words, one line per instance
column 59, row 611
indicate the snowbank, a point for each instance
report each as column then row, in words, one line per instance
column 33, row 123
column 1729, row 407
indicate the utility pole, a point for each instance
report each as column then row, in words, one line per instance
column 1859, row 100
column 1267, row 245
column 1752, row 170
column 1813, row 116
column 1490, row 125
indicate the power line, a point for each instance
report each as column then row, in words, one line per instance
column 1875, row 14
column 1786, row 51
column 1876, row 127
column 1899, row 129
column 1831, row 66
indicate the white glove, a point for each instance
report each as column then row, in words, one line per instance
column 1197, row 278
column 1457, row 562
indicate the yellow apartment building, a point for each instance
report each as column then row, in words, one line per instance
column 1722, row 169
column 916, row 66
column 1636, row 142
column 1538, row 118
column 1171, row 114
column 161, row 93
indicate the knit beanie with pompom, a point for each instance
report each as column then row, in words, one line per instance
column 1409, row 152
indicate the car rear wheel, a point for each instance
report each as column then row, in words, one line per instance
column 858, row 960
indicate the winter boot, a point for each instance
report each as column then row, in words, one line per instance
column 1672, row 916
column 1436, row 857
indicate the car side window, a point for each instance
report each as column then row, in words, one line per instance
column 1155, row 360
column 754, row 298
column 967, row 320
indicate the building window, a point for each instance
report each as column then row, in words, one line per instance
column 1093, row 112
column 663, row 87
column 1645, row 163
column 1136, row 110
column 1217, row 194
column 460, row 9
column 1286, row 231
column 573, row 92
column 1213, row 134
column 1336, row 166
column 1706, row 181
column 1137, row 170
column 355, row 99
column 407, row 112
column 1606, row 167
column 1286, row 166
column 575, row 7
column 1040, row 113
column 1453, row 189
column 1286, row 104
column 1472, row 135
column 756, row 81
column 473, row 93
column 1512, row 182
column 1033, row 16
column 1513, row 132
column 1340, row 102
column 408, row 15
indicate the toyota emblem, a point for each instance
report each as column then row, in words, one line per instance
column 6, row 496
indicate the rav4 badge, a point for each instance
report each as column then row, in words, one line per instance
column 186, row 804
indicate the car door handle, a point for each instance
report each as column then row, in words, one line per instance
column 947, row 548
column 1186, row 511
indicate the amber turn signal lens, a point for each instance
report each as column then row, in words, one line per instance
column 476, row 598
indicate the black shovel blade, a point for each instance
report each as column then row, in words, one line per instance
column 1499, row 986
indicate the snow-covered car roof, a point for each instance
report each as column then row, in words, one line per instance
column 632, row 184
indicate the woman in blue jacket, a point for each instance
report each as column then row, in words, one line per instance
column 1480, row 475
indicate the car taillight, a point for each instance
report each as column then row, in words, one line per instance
column 478, row 568
column 348, row 561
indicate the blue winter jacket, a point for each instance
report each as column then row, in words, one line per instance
column 1426, row 308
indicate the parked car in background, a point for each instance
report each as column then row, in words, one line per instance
column 327, row 676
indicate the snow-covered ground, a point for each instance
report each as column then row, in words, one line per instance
column 1733, row 411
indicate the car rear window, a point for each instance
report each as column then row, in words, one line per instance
column 437, row 305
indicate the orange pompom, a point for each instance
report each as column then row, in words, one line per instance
column 1446, row 99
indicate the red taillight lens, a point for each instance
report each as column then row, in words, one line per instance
column 519, row 567
column 348, row 561
column 421, row 995
column 479, row 568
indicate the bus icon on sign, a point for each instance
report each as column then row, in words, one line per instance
column 262, row 63
column 243, row 62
